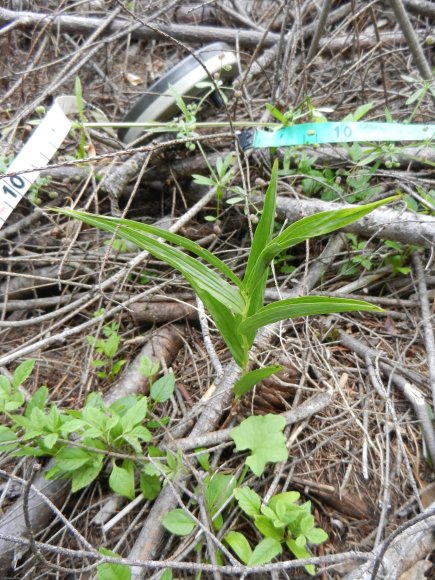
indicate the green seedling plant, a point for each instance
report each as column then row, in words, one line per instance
column 107, row 349
column 264, row 437
column 115, row 438
column 393, row 254
column 220, row 177
column 237, row 304
column 281, row 522
column 422, row 88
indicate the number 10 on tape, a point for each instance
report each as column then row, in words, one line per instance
column 37, row 152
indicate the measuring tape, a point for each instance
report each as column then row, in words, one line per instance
column 156, row 105
column 340, row 132
column 37, row 152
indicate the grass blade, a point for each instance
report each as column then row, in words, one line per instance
column 302, row 306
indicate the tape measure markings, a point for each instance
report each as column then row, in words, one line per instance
column 37, row 152
column 336, row 132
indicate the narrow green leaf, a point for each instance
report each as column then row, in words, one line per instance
column 178, row 522
column 110, row 224
column 227, row 324
column 249, row 380
column 309, row 227
column 264, row 229
column 303, row 306
column 202, row 180
column 326, row 222
column 265, row 552
column 359, row 112
column 240, row 546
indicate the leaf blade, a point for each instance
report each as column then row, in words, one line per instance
column 248, row 380
column 303, row 306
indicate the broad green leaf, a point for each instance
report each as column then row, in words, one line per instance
column 254, row 287
column 307, row 524
column 264, row 436
column 265, row 526
column 135, row 415
column 301, row 553
column 87, row 474
column 309, row 227
column 163, row 389
column 249, row 380
column 142, row 433
column 316, row 536
column 273, row 517
column 264, row 552
column 49, row 441
column 239, row 545
column 110, row 224
column 150, row 485
column 121, row 479
column 167, row 575
column 218, row 489
column 303, row 306
column 301, row 540
column 249, row 501
column 72, row 458
column 38, row 400
column 109, row 571
column 22, row 372
column 280, row 501
column 178, row 522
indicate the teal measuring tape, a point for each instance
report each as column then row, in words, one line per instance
column 340, row 132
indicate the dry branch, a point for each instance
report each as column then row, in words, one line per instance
column 414, row 541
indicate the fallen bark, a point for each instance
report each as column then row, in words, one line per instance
column 384, row 222
column 164, row 344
